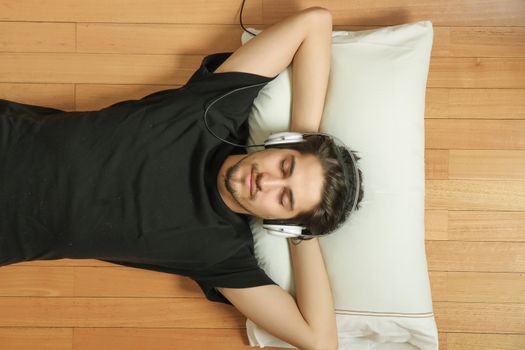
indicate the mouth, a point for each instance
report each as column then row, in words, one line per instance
column 251, row 183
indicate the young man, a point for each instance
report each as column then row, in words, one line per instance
column 144, row 184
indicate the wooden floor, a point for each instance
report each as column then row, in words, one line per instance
column 84, row 55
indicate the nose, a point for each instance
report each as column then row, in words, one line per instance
column 267, row 182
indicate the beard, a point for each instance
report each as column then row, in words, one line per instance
column 228, row 180
column 230, row 173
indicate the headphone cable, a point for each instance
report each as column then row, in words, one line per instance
column 240, row 19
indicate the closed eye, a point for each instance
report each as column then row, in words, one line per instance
column 290, row 196
column 282, row 194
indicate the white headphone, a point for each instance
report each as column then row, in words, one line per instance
column 277, row 227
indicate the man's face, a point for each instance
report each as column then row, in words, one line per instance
column 275, row 183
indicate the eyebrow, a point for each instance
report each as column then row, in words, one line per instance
column 291, row 193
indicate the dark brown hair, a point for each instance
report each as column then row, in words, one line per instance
column 338, row 197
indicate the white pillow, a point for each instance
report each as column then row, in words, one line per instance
column 376, row 261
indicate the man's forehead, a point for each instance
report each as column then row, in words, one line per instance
column 283, row 151
column 288, row 152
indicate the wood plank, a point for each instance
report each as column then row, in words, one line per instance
column 475, row 103
column 37, row 37
column 36, row 338
column 117, row 312
column 436, row 163
column 151, row 338
column 180, row 38
column 157, row 38
column 37, row 281
column 487, row 164
column 379, row 12
column 97, row 68
column 475, row 195
column 475, row 134
column 486, row 226
column 57, row 281
column 473, row 341
column 386, row 12
column 436, row 224
column 480, row 317
column 477, row 287
column 478, row 72
column 474, row 225
column 478, row 42
column 122, row 282
column 475, row 256
column 474, row 164
column 42, row 338
column 124, row 11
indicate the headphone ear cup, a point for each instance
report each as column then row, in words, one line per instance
column 281, row 228
column 283, row 138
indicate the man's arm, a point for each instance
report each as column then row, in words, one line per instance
column 313, row 292
column 311, row 68
column 310, row 72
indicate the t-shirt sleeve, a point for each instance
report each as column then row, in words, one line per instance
column 238, row 271
column 205, row 77
column 210, row 85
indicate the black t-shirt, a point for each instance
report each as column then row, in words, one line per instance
column 133, row 183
